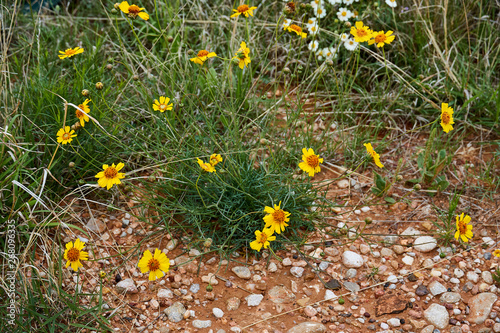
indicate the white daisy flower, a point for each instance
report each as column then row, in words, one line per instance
column 335, row 2
column 319, row 54
column 286, row 23
column 313, row 29
column 311, row 21
column 320, row 11
column 313, row 45
column 344, row 14
column 391, row 3
column 348, row 2
column 344, row 37
column 329, row 53
column 315, row 3
column 350, row 44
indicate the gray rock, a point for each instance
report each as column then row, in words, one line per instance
column 281, row 295
column 95, row 225
column 242, row 272
column 425, row 243
column 308, row 327
column 221, row 331
column 233, row 304
column 456, row 329
column 421, row 290
column 473, row 277
column 480, row 307
column 390, row 240
column 410, row 231
column 428, row 329
column 352, row 259
column 194, row 288
column 165, row 293
column 436, row 288
column 272, row 267
column 128, row 286
column 385, row 252
column 450, row 297
column 487, row 277
column 352, row 286
column 202, row 323
column 297, row 271
column 175, row 312
column 333, row 284
column 323, row 265
column 254, row 299
column 172, row 244
column 351, row 273
column 218, row 313
column 437, row 315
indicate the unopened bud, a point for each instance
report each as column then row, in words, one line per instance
column 329, row 62
column 235, row 61
column 264, row 141
column 135, row 77
column 286, row 70
column 190, row 52
column 85, row 92
column 102, row 274
column 71, row 165
column 99, row 86
column 399, row 178
column 348, row 24
column 117, row 5
column 109, row 67
column 368, row 220
column 114, row 11
column 76, row 126
column 207, row 242
column 209, row 288
column 170, row 39
column 417, row 187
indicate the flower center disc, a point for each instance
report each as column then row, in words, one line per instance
column 380, row 38
column 202, row 53
column 163, row 106
column 110, row 173
column 344, row 13
column 263, row 237
column 312, row 161
column 296, row 28
column 73, row 254
column 134, row 9
column 66, row 136
column 462, row 227
column 153, row 264
column 279, row 216
column 362, row 33
column 242, row 8
column 445, row 117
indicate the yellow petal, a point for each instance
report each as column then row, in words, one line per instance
column 144, row 16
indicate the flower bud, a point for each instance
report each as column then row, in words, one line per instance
column 368, row 220
column 329, row 62
column 102, row 274
column 99, row 86
column 190, row 52
column 348, row 24
column 76, row 126
column 209, row 288
column 114, row 11
column 117, row 5
column 85, row 92
column 399, row 178
column 170, row 39
column 286, row 70
column 135, row 77
column 207, row 242
column 417, row 187
column 109, row 67
column 264, row 141
column 71, row 165
column 235, row 61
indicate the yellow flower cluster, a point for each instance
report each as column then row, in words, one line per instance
column 210, row 166
column 363, row 33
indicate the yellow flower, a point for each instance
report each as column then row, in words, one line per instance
column 496, row 253
column 206, row 166
column 215, row 158
column 162, row 105
column 262, row 239
column 446, row 117
column 373, row 153
column 276, row 218
column 202, row 56
column 133, row 11
column 310, row 162
column 380, row 38
column 295, row 28
column 243, row 9
column 156, row 265
column 243, row 55
column 68, row 53
column 361, row 32
column 102, row 274
column 83, row 115
column 65, row 135
column 110, row 175
column 73, row 254
column 464, row 229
